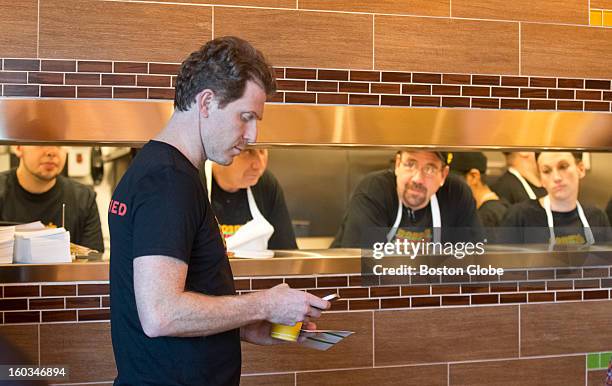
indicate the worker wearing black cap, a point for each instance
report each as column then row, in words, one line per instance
column 473, row 167
column 416, row 201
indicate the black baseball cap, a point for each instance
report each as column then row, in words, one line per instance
column 444, row 156
column 463, row 162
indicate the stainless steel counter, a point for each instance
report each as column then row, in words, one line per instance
column 330, row 261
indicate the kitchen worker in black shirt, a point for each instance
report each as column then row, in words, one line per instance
column 175, row 316
column 416, row 201
column 521, row 181
column 245, row 193
column 473, row 167
column 35, row 191
column 558, row 217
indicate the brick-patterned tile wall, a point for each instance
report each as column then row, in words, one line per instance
column 140, row 80
column 77, row 302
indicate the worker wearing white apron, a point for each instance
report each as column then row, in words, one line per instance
column 251, row 239
column 521, row 181
column 558, row 217
column 417, row 201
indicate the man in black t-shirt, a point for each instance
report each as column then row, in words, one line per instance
column 35, row 191
column 521, row 181
column 229, row 186
column 175, row 319
column 473, row 167
column 408, row 203
column 557, row 218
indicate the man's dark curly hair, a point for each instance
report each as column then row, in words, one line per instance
column 223, row 65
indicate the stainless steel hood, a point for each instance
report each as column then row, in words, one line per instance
column 121, row 122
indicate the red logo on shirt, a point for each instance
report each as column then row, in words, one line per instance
column 117, row 207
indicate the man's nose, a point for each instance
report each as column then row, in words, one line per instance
column 51, row 150
column 417, row 176
column 250, row 133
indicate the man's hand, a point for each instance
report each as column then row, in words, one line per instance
column 287, row 306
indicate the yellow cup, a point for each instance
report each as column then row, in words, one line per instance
column 288, row 333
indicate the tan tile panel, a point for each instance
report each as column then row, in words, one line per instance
column 549, row 11
column 446, row 45
column 406, row 7
column 85, row 346
column 596, row 377
column 268, row 380
column 524, row 372
column 121, row 30
column 23, row 338
column 601, row 4
column 576, row 327
column 246, row 3
column 566, row 51
column 18, row 26
column 355, row 351
column 405, row 376
column 302, row 39
column 442, row 335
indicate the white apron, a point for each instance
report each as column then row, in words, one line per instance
column 251, row 239
column 588, row 234
column 435, row 216
column 524, row 182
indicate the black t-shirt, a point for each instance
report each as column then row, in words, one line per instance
column 491, row 212
column 160, row 207
column 81, row 219
column 372, row 211
column 510, row 188
column 526, row 223
column 232, row 209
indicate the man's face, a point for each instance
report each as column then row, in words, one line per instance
column 227, row 130
column 246, row 169
column 560, row 175
column 42, row 162
column 418, row 175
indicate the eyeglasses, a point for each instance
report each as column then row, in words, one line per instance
column 411, row 166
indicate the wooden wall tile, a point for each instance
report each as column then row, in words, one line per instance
column 405, row 376
column 446, row 45
column 601, row 4
column 596, row 377
column 549, row 329
column 405, row 337
column 18, row 25
column 548, row 11
column 247, row 3
column 24, row 338
column 567, row 51
column 268, row 380
column 355, row 351
column 86, row 29
column 406, row 7
column 524, row 372
column 85, row 346
column 302, row 39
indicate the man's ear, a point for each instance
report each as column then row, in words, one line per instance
column 581, row 169
column 18, row 151
column 445, row 171
column 398, row 159
column 204, row 101
column 472, row 176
